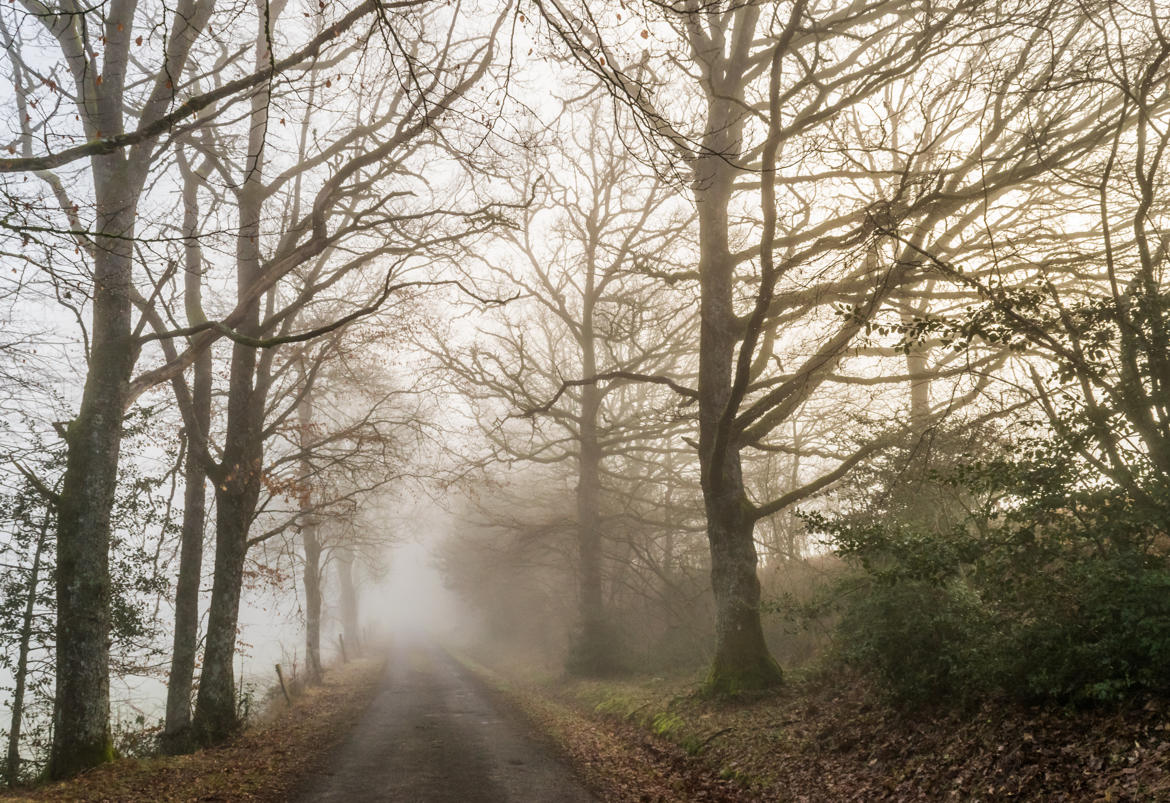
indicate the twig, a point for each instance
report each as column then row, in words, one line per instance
column 703, row 744
column 280, row 677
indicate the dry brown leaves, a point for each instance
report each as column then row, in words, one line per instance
column 265, row 763
column 617, row 760
column 836, row 740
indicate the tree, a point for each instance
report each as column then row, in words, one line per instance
column 184, row 645
column 778, row 86
column 112, row 91
column 366, row 203
column 26, row 594
column 1077, row 291
column 355, row 431
column 584, row 310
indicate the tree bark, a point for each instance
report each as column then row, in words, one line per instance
column 310, row 536
column 237, row 494
column 238, row 484
column 742, row 660
column 593, row 653
column 917, row 368
column 312, row 577
column 236, row 498
column 176, row 730
column 216, row 717
column 81, row 730
column 349, row 599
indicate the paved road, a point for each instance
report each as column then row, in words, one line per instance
column 432, row 734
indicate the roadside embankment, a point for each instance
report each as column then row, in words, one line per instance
column 618, row 758
column 834, row 738
column 264, row 763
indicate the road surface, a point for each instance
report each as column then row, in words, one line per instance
column 433, row 734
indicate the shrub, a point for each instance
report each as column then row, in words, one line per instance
column 1052, row 589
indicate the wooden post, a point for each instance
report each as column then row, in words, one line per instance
column 283, row 688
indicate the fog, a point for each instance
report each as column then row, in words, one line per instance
column 412, row 601
column 586, row 340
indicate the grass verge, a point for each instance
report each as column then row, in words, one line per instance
column 833, row 738
column 618, row 759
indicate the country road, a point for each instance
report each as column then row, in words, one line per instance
column 433, row 734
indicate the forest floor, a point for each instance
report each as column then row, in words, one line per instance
column 266, row 762
column 655, row 739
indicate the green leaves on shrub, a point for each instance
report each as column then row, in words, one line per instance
column 1054, row 588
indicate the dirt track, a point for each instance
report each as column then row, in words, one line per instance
column 434, row 734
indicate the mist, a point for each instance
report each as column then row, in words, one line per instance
column 431, row 377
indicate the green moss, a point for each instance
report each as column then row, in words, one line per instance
column 731, row 681
column 732, row 774
column 83, row 759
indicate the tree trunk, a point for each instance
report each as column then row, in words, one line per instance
column 312, row 543
column 238, row 492
column 593, row 654
column 186, row 636
column 12, row 767
column 236, row 497
column 176, row 731
column 349, row 600
column 216, row 716
column 918, row 369
column 81, row 730
column 312, row 578
column 742, row 660
column 916, row 366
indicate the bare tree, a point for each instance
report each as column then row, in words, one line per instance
column 185, row 639
column 115, row 70
column 1069, row 277
column 584, row 310
column 776, row 84
column 362, row 209
column 356, row 434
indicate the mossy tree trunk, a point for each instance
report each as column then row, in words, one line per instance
column 742, row 660
column 81, row 730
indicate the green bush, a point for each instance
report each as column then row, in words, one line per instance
column 1053, row 589
column 924, row 641
column 1101, row 633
